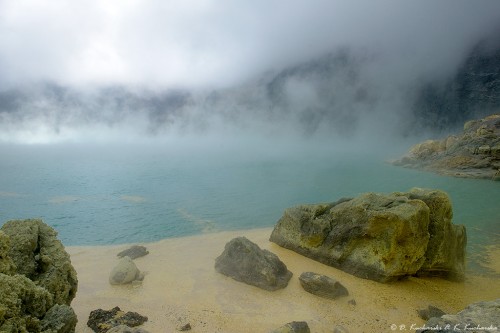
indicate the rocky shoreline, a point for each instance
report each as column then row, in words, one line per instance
column 37, row 280
column 226, row 282
column 473, row 154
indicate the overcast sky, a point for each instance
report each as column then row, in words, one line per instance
column 164, row 43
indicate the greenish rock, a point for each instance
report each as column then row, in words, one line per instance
column 22, row 304
column 445, row 254
column 59, row 319
column 382, row 237
column 30, row 275
column 473, row 154
column 41, row 257
column 7, row 266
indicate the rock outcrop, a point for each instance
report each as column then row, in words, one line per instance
column 381, row 237
column 37, row 280
column 244, row 261
column 476, row 317
column 41, row 257
column 322, row 285
column 473, row 154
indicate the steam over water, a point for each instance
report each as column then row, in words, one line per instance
column 130, row 121
column 107, row 195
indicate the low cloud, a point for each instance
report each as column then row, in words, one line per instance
column 134, row 70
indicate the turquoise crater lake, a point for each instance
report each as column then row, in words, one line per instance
column 111, row 195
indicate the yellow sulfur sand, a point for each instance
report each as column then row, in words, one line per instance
column 181, row 286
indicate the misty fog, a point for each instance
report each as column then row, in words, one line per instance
column 229, row 74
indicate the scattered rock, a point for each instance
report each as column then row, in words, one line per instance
column 322, row 285
column 37, row 281
column 40, row 256
column 244, row 261
column 430, row 312
column 294, row 327
column 126, row 329
column 125, row 272
column 474, row 154
column 185, row 327
column 352, row 302
column 340, row 329
column 476, row 317
column 382, row 237
column 101, row 321
column 134, row 252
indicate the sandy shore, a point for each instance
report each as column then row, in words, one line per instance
column 181, row 286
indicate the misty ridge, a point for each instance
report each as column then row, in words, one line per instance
column 345, row 93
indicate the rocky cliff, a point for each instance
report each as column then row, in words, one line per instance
column 475, row 153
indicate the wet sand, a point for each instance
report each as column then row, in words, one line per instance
column 181, row 286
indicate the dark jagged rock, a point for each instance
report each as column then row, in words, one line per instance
column 101, row 321
column 37, row 281
column 473, row 154
column 430, row 312
column 322, row 285
column 294, row 327
column 244, row 261
column 381, row 237
column 134, row 252
column 41, row 257
column 476, row 317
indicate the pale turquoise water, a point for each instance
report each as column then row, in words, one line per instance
column 111, row 195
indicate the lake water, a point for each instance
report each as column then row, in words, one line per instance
column 109, row 195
